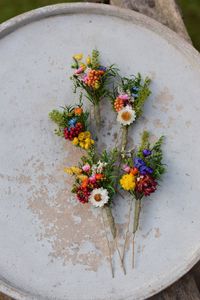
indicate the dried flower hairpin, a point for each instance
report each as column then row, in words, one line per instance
column 72, row 124
column 94, row 184
column 93, row 79
column 128, row 101
column 142, row 171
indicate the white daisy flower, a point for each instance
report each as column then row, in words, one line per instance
column 126, row 115
column 99, row 197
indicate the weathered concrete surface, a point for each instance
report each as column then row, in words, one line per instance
column 37, row 210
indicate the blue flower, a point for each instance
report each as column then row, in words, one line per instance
column 134, row 95
column 138, row 162
column 146, row 152
column 102, row 68
column 145, row 170
column 135, row 89
column 72, row 122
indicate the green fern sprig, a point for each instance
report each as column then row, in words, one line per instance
column 143, row 94
column 95, row 59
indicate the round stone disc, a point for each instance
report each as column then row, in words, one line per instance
column 51, row 246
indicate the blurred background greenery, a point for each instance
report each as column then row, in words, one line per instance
column 190, row 11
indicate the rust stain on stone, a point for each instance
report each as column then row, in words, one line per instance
column 158, row 124
column 164, row 99
column 157, row 232
column 170, row 121
column 74, row 230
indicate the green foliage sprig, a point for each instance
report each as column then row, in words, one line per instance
column 154, row 160
column 139, row 88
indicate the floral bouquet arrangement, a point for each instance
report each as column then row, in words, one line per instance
column 97, row 176
column 128, row 101
column 92, row 78
column 94, row 183
column 142, row 171
column 72, row 124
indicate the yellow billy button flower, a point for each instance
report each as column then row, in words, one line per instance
column 97, row 85
column 88, row 141
column 75, row 141
column 81, row 136
column 87, row 146
column 128, row 182
column 88, row 60
column 78, row 56
column 82, row 145
column 76, row 170
column 68, row 171
column 87, row 134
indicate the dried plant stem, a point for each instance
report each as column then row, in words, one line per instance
column 124, row 139
column 110, row 219
column 133, row 251
column 108, row 244
column 97, row 114
column 135, row 226
column 120, row 257
column 127, row 230
column 113, row 230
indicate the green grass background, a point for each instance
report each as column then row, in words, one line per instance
column 190, row 10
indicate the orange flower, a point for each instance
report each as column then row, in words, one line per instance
column 78, row 111
column 84, row 183
column 93, row 78
column 99, row 176
column 133, row 171
column 118, row 104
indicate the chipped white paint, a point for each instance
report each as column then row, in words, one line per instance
column 50, row 246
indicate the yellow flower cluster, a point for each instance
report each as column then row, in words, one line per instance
column 73, row 171
column 128, row 182
column 79, row 57
column 83, row 140
column 82, row 177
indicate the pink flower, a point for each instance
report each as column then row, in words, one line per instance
column 85, row 78
column 86, row 168
column 124, row 97
column 92, row 179
column 126, row 168
column 79, row 70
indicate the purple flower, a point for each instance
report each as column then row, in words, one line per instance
column 146, row 152
column 138, row 162
column 144, row 170
column 102, row 68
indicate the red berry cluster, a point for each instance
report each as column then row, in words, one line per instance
column 93, row 185
column 146, row 185
column 83, row 194
column 73, row 132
